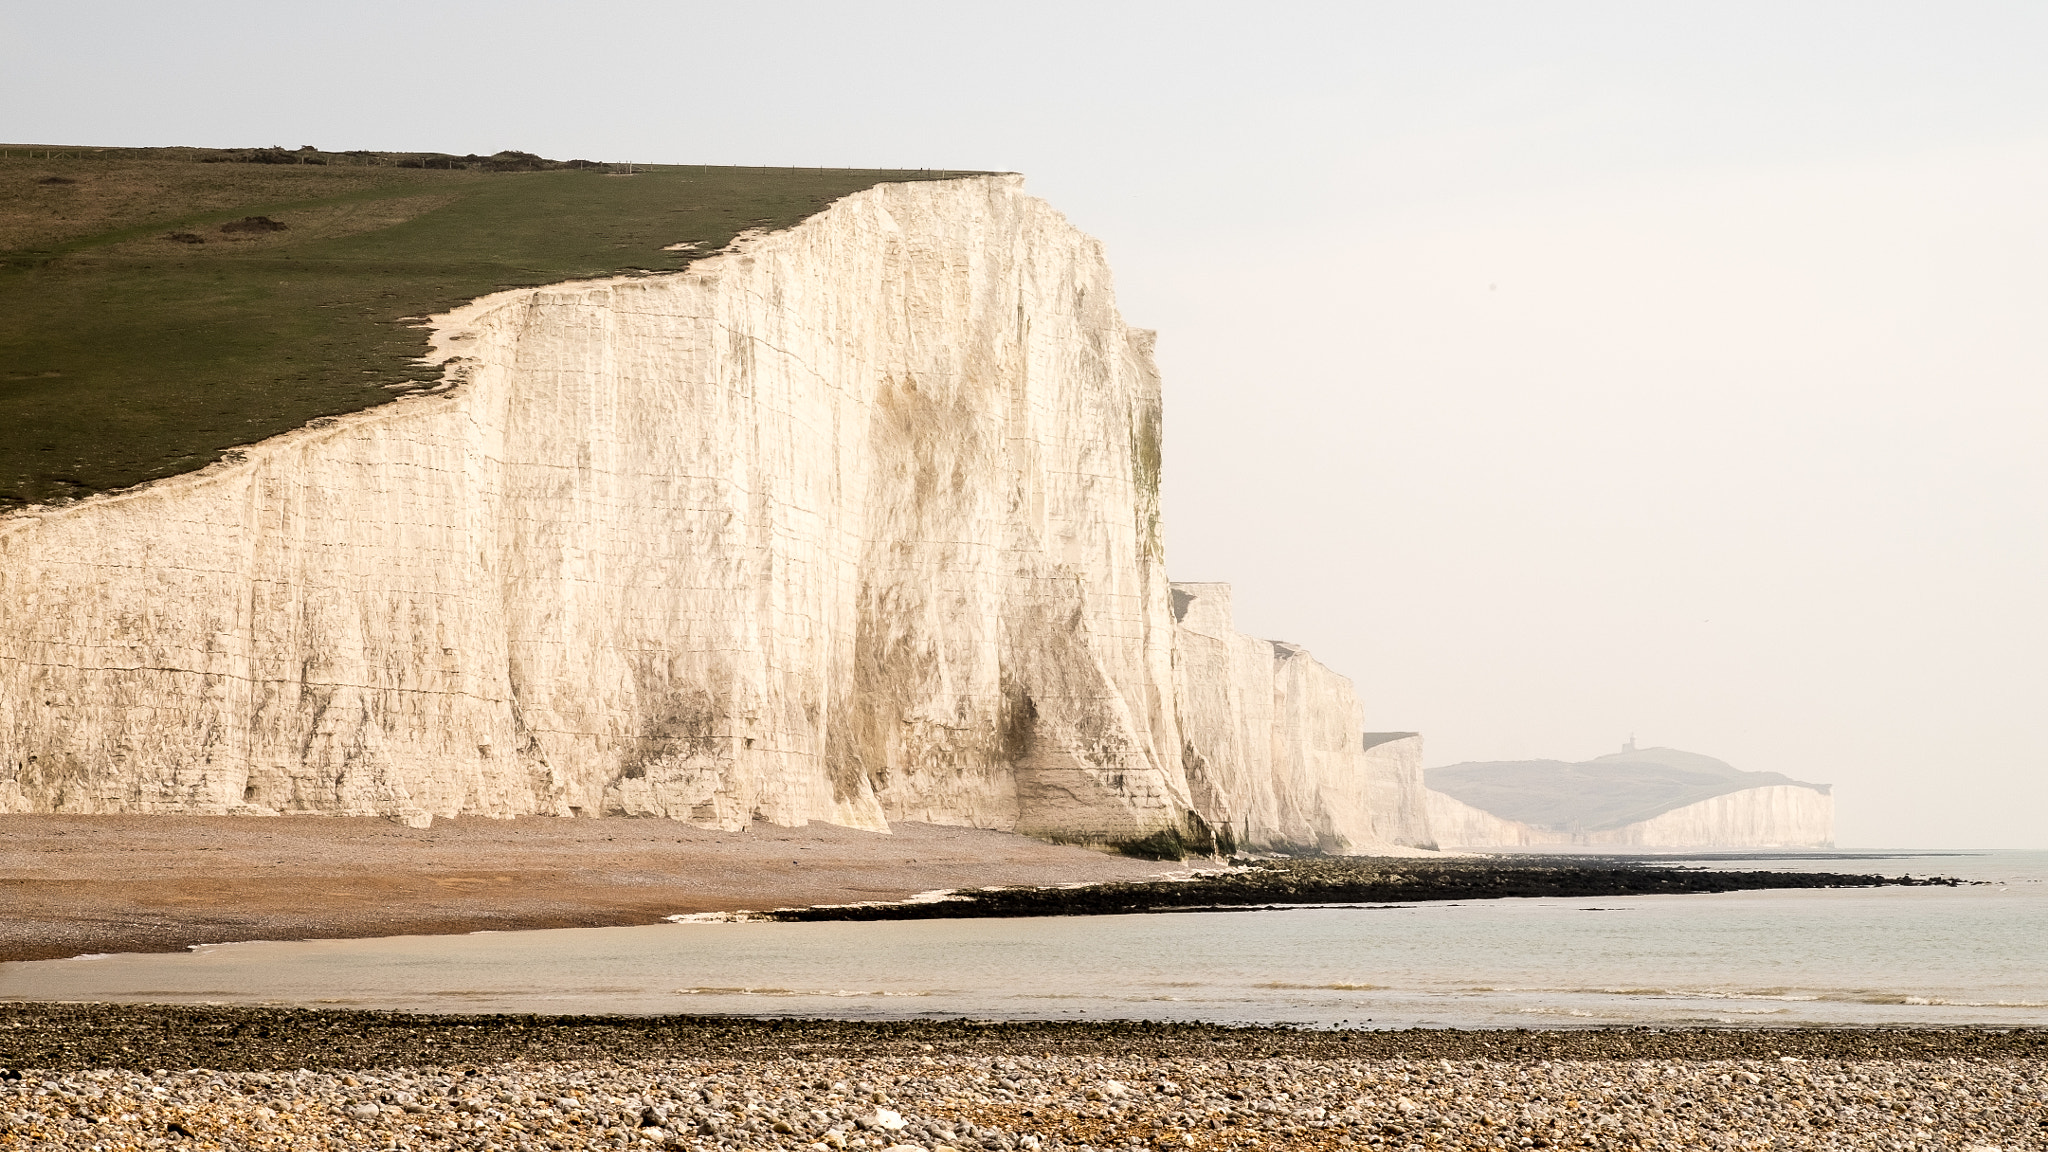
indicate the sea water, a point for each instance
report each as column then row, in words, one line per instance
column 1971, row 955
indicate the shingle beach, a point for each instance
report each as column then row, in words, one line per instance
column 83, row 1077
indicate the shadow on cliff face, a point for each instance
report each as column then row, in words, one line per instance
column 1197, row 840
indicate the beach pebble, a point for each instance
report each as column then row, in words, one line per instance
column 1044, row 1102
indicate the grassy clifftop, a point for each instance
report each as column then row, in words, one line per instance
column 157, row 313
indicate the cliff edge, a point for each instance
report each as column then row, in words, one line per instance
column 857, row 522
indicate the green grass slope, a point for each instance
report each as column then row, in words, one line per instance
column 142, row 339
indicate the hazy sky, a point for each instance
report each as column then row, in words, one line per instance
column 1556, row 370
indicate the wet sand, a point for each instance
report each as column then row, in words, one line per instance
column 76, row 885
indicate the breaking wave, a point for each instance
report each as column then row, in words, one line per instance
column 1282, row 986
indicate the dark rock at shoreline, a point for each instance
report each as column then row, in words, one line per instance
column 1346, row 880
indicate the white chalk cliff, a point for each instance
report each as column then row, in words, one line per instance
column 1274, row 745
column 1774, row 816
column 1638, row 797
column 858, row 523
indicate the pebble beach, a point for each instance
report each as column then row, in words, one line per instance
column 826, row 1086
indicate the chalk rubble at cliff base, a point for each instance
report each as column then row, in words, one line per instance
column 857, row 522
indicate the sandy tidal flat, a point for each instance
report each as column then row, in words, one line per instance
column 77, row 885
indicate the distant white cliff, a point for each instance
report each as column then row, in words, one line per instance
column 857, row 524
column 1648, row 798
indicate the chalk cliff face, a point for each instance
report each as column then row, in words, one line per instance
column 1647, row 797
column 859, row 523
column 1274, row 747
column 1778, row 816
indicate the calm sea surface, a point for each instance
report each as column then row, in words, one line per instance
column 1975, row 955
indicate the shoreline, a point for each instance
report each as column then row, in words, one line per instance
column 1345, row 881
column 97, row 885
